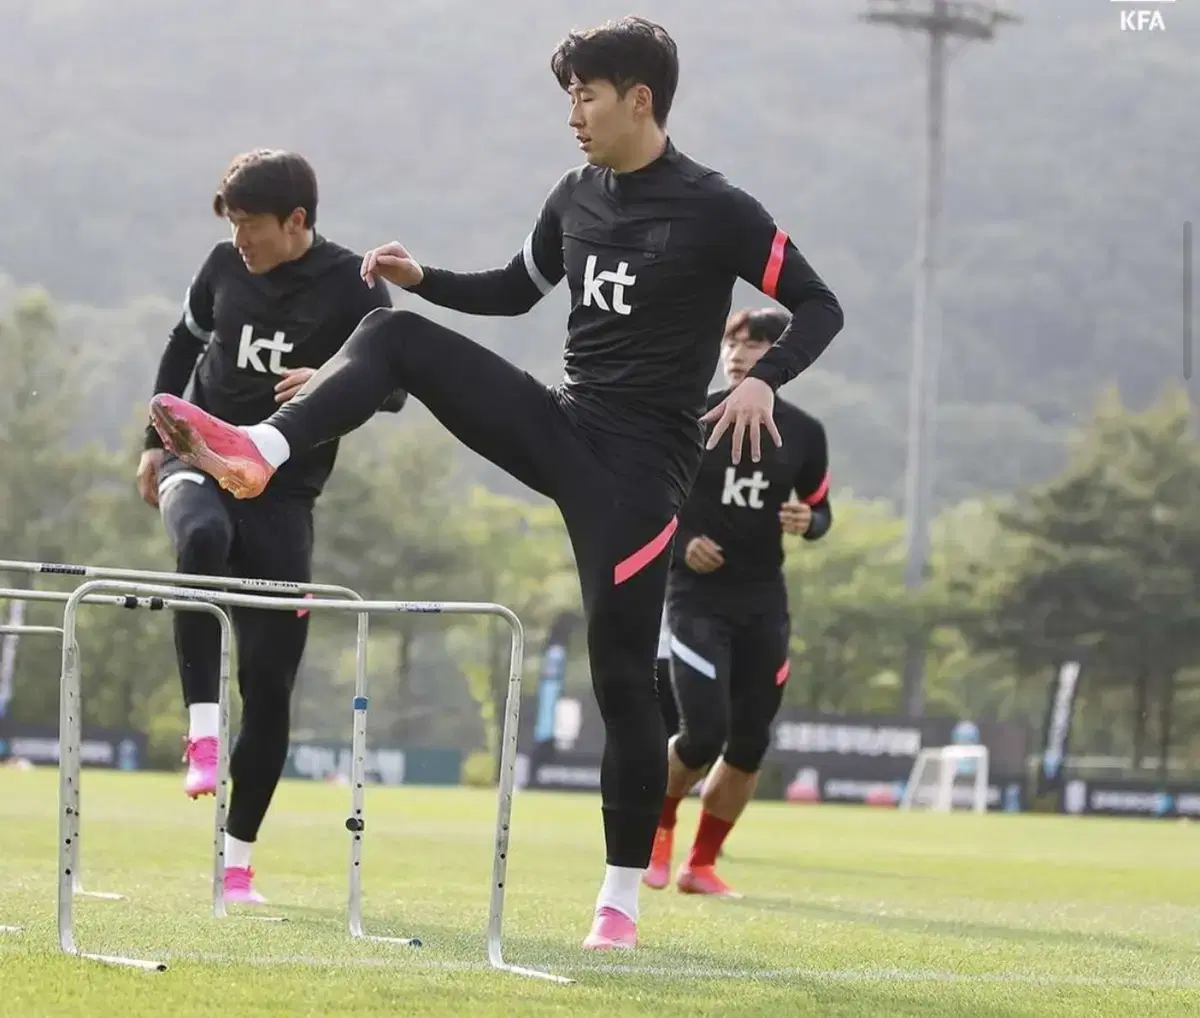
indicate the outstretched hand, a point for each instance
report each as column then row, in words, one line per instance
column 393, row 263
column 750, row 406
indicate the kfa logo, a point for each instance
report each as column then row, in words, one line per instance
column 250, row 351
column 1142, row 21
column 736, row 488
column 593, row 286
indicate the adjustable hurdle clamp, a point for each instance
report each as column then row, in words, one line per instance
column 356, row 824
column 154, row 604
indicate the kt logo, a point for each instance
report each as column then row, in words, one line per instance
column 736, row 489
column 251, row 350
column 593, row 286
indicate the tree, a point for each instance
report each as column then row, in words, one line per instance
column 391, row 526
column 42, row 480
column 850, row 611
column 1106, row 564
column 522, row 560
column 46, row 488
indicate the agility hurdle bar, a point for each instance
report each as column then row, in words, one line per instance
column 359, row 725
column 76, row 718
column 508, row 754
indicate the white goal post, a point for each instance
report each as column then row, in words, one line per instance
column 935, row 777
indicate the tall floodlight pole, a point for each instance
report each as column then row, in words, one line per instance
column 940, row 21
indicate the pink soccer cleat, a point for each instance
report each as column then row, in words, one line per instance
column 239, row 886
column 658, row 873
column 202, row 441
column 703, row 880
column 201, row 758
column 611, row 931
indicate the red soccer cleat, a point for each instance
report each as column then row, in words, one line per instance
column 221, row 450
column 658, row 873
column 703, row 880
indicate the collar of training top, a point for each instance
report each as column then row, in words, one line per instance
column 668, row 157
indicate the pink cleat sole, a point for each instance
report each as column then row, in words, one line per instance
column 221, row 450
column 703, row 880
column 611, row 931
column 239, row 887
column 201, row 758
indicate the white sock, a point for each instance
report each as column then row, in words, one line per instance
column 620, row 890
column 203, row 721
column 237, row 853
column 270, row 442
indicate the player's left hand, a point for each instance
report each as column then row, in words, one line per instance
column 292, row 382
column 796, row 517
column 750, row 406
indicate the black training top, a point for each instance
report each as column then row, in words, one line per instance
column 651, row 258
column 737, row 507
column 246, row 329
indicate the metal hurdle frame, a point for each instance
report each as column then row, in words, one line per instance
column 25, row 631
column 69, row 754
column 354, row 823
column 222, row 798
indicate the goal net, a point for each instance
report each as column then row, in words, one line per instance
column 945, row 778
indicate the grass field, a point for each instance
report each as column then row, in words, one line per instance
column 847, row 912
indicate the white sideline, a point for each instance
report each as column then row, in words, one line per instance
column 812, row 975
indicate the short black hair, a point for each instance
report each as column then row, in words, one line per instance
column 268, row 182
column 765, row 325
column 628, row 52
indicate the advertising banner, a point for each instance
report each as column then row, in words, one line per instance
column 1056, row 730
column 330, row 760
column 1130, row 799
column 820, row 757
column 114, row 749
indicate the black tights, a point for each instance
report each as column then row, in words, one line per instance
column 268, row 538
column 620, row 520
column 728, row 671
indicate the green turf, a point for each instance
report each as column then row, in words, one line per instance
column 848, row 912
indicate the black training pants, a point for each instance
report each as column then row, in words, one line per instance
column 620, row 519
column 268, row 538
column 728, row 670
column 666, row 696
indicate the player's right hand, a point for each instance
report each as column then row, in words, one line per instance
column 703, row 555
column 147, row 475
column 393, row 263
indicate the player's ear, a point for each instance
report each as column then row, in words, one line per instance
column 295, row 222
column 643, row 101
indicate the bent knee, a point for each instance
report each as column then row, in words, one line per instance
column 377, row 317
column 746, row 750
column 203, row 545
column 391, row 322
column 697, row 749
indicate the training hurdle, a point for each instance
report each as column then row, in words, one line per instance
column 69, row 753
column 76, row 716
column 191, row 581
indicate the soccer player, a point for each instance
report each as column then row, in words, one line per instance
column 262, row 314
column 727, row 610
column 651, row 244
